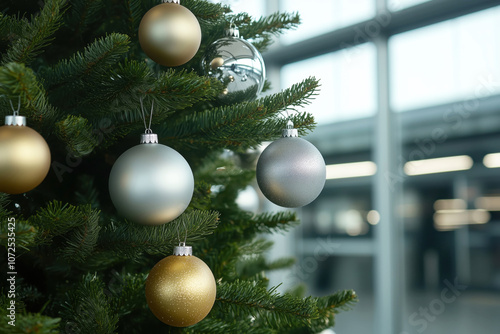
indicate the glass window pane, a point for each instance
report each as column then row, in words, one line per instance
column 395, row 5
column 319, row 16
column 347, row 80
column 446, row 62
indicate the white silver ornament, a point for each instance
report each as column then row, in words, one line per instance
column 236, row 63
column 151, row 183
column 291, row 172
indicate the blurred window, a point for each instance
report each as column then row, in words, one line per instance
column 446, row 62
column 347, row 81
column 319, row 16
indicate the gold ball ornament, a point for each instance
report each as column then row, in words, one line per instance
column 170, row 34
column 181, row 289
column 24, row 156
column 216, row 63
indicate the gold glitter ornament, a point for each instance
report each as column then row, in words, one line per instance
column 170, row 34
column 180, row 289
column 24, row 156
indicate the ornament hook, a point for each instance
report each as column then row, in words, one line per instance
column 148, row 137
column 182, row 249
column 15, row 118
column 16, row 111
column 147, row 128
column 182, row 243
column 290, row 131
column 233, row 30
column 284, row 104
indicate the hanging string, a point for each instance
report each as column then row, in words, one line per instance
column 147, row 128
column 179, row 234
column 289, row 124
column 16, row 111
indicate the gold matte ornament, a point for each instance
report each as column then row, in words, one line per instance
column 180, row 290
column 170, row 34
column 24, row 159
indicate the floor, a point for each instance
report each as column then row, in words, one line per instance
column 471, row 312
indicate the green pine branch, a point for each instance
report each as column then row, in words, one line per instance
column 218, row 326
column 284, row 313
column 25, row 233
column 265, row 28
column 181, row 89
column 25, row 322
column 68, row 74
column 127, row 291
column 250, row 267
column 17, row 80
column 4, row 201
column 135, row 11
column 81, row 241
column 11, row 28
column 129, row 240
column 83, row 13
column 328, row 307
column 226, row 263
column 276, row 222
column 116, row 95
column 245, row 125
column 74, row 229
column 37, row 34
column 57, row 219
column 88, row 308
column 77, row 135
column 206, row 11
column 241, row 299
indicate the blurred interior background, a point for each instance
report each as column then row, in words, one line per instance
column 409, row 126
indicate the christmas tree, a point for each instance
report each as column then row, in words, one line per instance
column 72, row 264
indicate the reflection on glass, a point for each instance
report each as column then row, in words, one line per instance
column 446, row 62
column 347, row 81
column 319, row 17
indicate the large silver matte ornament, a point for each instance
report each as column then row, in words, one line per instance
column 291, row 172
column 151, row 183
column 237, row 64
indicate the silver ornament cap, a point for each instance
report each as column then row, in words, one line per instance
column 149, row 138
column 291, row 172
column 289, row 131
column 183, row 250
column 15, row 120
column 233, row 31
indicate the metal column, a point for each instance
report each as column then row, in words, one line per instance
column 388, row 271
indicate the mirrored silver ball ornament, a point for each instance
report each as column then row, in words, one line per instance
column 151, row 184
column 237, row 64
column 291, row 172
